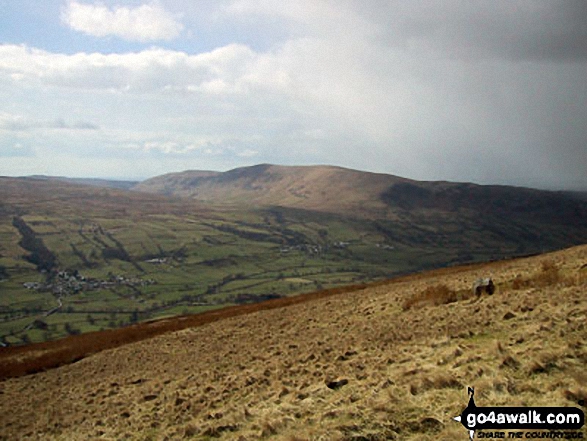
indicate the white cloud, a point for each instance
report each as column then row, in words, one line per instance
column 248, row 153
column 221, row 70
column 148, row 22
column 305, row 17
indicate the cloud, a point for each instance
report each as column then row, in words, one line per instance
column 149, row 70
column 248, row 153
column 147, row 22
column 489, row 92
column 194, row 146
column 521, row 30
column 517, row 31
column 19, row 123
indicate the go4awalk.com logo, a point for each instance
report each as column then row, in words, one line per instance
column 538, row 422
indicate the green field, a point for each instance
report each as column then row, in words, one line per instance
column 78, row 259
column 164, row 265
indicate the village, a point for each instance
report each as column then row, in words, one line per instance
column 64, row 282
column 317, row 249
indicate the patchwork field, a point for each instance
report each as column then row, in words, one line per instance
column 389, row 361
column 77, row 259
column 97, row 259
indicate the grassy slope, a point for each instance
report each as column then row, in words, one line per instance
column 498, row 220
column 216, row 256
column 264, row 375
column 322, row 188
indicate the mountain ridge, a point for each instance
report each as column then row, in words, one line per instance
column 323, row 188
column 369, row 195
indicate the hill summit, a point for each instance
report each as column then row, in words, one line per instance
column 342, row 190
column 424, row 212
column 325, row 188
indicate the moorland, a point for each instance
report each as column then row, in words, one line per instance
column 79, row 256
column 388, row 361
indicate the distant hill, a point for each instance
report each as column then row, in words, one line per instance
column 430, row 210
column 338, row 190
column 578, row 195
column 173, row 183
column 94, row 182
column 323, row 188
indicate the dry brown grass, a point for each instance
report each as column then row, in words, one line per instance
column 266, row 374
column 24, row 360
column 548, row 274
column 432, row 295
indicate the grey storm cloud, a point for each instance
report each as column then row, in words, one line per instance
column 512, row 79
column 516, row 30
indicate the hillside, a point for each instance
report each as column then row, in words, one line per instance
column 324, row 188
column 405, row 211
column 79, row 258
column 390, row 361
column 364, row 194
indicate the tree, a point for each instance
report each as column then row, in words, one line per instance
column 40, row 324
column 134, row 317
column 70, row 329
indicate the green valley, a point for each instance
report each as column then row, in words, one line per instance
column 77, row 258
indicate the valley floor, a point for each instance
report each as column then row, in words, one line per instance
column 363, row 365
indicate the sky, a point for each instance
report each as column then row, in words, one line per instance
column 491, row 92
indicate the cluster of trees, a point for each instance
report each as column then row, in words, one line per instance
column 39, row 253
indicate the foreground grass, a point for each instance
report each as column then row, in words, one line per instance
column 352, row 366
